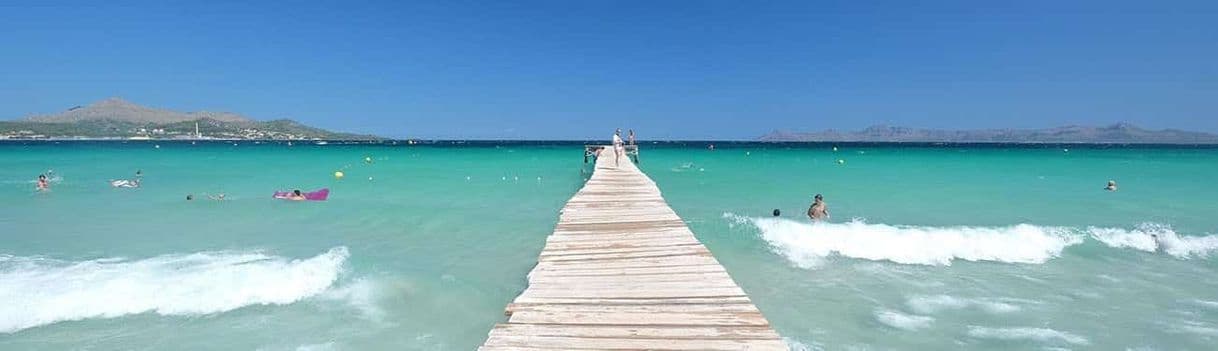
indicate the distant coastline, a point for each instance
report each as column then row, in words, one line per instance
column 118, row 119
column 695, row 145
column 1120, row 133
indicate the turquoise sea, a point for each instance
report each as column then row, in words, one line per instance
column 929, row 247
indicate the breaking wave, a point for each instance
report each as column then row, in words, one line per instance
column 1154, row 237
column 1033, row 334
column 936, row 303
column 807, row 244
column 39, row 291
column 903, row 321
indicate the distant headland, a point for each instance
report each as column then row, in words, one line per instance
column 115, row 118
column 1120, row 133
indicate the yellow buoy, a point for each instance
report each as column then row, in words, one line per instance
column 338, row 175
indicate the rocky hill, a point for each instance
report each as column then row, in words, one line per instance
column 1121, row 133
column 118, row 118
column 117, row 109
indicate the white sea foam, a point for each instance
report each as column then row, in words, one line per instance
column 1194, row 327
column 362, row 294
column 1207, row 303
column 937, row 303
column 329, row 346
column 902, row 321
column 796, row 345
column 1034, row 334
column 807, row 244
column 39, row 291
column 1164, row 239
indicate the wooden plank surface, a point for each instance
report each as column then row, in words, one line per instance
column 623, row 272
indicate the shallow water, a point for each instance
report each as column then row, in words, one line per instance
column 970, row 247
column 929, row 246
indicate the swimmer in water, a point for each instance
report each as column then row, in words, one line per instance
column 43, row 184
column 216, row 197
column 819, row 210
column 297, row 196
column 1160, row 246
column 777, row 212
column 1111, row 186
column 190, row 197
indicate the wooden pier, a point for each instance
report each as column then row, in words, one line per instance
column 623, row 272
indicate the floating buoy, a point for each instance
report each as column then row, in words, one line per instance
column 339, row 175
column 834, row 149
column 369, row 179
column 746, row 153
column 367, row 159
column 841, row 161
column 158, row 146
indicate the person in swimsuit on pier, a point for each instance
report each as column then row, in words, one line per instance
column 618, row 147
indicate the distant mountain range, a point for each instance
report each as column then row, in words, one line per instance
column 1121, row 133
column 115, row 118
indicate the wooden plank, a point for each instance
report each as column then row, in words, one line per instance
column 635, row 272
column 655, row 308
column 632, row 288
column 624, row 301
column 632, row 263
column 622, row 271
column 632, row 292
column 663, row 252
column 573, row 343
column 625, row 278
column 558, row 247
column 623, row 318
column 666, row 332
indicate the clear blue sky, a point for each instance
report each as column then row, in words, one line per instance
column 670, row 69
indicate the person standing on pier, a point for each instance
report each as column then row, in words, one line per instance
column 618, row 147
column 630, row 137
